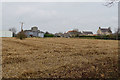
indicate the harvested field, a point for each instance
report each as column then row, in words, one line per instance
column 59, row 58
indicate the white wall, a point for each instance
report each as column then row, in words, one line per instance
column 41, row 35
column 6, row 34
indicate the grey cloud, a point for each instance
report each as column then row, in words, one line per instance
column 59, row 17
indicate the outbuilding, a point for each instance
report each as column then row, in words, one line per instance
column 6, row 34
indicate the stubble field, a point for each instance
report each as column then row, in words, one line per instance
column 59, row 58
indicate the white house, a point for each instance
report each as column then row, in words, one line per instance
column 6, row 34
column 104, row 31
column 34, row 32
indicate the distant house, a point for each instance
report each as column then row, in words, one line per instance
column 87, row 33
column 59, row 34
column 104, row 31
column 6, row 34
column 34, row 32
column 66, row 35
column 74, row 33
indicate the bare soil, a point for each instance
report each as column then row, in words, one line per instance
column 59, row 58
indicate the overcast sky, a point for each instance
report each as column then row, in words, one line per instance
column 59, row 16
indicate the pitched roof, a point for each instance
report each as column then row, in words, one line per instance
column 105, row 29
column 74, row 32
column 41, row 32
column 87, row 32
column 27, row 30
column 33, row 31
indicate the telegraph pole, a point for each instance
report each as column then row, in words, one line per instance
column 21, row 26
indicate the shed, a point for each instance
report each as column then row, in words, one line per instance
column 6, row 34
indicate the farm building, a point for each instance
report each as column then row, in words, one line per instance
column 104, row 31
column 6, row 34
column 58, row 34
column 73, row 33
column 87, row 33
column 66, row 35
column 34, row 32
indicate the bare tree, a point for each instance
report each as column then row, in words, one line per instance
column 13, row 30
column 110, row 3
column 117, row 33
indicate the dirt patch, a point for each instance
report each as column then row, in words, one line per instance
column 12, row 60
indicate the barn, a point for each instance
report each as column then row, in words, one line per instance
column 6, row 34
